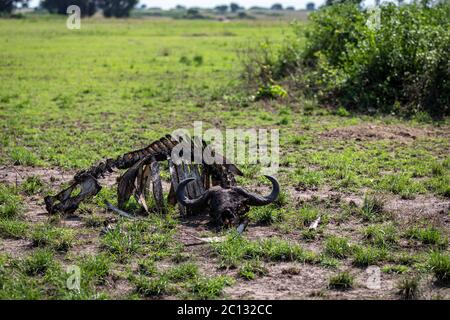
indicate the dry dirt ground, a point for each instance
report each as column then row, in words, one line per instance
column 284, row 280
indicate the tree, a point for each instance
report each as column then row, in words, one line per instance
column 7, row 6
column 277, row 6
column 310, row 6
column 234, row 7
column 117, row 8
column 87, row 7
column 222, row 9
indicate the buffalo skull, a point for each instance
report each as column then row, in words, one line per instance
column 226, row 206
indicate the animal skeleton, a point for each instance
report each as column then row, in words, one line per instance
column 213, row 186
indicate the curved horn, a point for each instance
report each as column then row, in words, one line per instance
column 257, row 200
column 182, row 199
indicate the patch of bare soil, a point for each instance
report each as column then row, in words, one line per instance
column 363, row 132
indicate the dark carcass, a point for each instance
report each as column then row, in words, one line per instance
column 213, row 185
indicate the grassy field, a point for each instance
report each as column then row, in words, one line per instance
column 69, row 98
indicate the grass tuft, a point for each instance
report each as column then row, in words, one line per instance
column 428, row 236
column 337, row 247
column 252, row 269
column 13, row 229
column 373, row 208
column 38, row 262
column 209, row 288
column 381, row 236
column 341, row 281
column 10, row 202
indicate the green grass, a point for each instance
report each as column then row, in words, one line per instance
column 373, row 208
column 428, row 236
column 125, row 55
column 184, row 281
column 32, row 185
column 401, row 184
column 250, row 270
column 266, row 215
column 147, row 267
column 395, row 269
column 71, row 98
column 95, row 268
column 366, row 256
column 408, row 288
column 38, row 262
column 382, row 236
column 152, row 287
column 337, row 247
column 182, row 272
column 209, row 288
column 152, row 236
column 45, row 235
column 236, row 249
column 439, row 264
